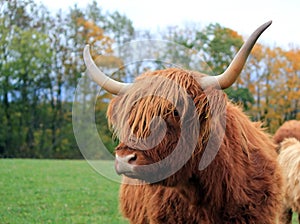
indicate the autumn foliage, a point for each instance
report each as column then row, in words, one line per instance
column 273, row 79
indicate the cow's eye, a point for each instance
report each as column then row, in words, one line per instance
column 175, row 113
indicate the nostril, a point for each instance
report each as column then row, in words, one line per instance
column 127, row 159
column 132, row 159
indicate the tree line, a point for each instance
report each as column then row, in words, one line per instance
column 41, row 64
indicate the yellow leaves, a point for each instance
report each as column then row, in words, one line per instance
column 108, row 61
column 275, row 85
column 251, row 88
column 293, row 57
column 270, row 52
column 94, row 35
column 234, row 34
column 257, row 51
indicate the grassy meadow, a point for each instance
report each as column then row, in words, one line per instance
column 57, row 191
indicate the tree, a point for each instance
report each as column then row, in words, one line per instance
column 219, row 46
column 22, row 53
column 41, row 63
column 273, row 79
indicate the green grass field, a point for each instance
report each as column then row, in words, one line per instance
column 57, row 191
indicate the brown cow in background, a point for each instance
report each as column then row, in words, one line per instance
column 289, row 129
column 287, row 137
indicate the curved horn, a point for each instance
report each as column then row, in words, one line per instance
column 229, row 76
column 99, row 77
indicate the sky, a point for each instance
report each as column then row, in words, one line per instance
column 241, row 16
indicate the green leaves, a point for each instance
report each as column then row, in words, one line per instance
column 40, row 63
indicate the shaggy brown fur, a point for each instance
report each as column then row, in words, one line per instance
column 289, row 159
column 288, row 130
column 241, row 185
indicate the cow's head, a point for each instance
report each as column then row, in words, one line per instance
column 163, row 119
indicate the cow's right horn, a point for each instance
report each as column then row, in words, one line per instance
column 231, row 74
column 110, row 85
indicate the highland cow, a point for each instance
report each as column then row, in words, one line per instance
column 287, row 145
column 289, row 129
column 289, row 159
column 186, row 153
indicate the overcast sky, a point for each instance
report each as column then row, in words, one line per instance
column 241, row 16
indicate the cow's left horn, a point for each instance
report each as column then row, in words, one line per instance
column 110, row 85
column 230, row 75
